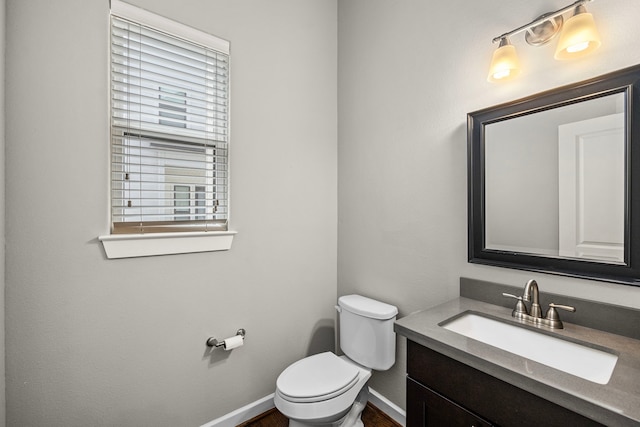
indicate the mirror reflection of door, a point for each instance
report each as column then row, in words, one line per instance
column 571, row 207
column 591, row 188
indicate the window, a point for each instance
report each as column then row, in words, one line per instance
column 169, row 126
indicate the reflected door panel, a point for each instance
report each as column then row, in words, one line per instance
column 591, row 189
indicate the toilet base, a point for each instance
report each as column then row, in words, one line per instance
column 293, row 423
column 352, row 419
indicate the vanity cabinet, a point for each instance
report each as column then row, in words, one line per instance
column 444, row 392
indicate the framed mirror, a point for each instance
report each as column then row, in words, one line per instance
column 554, row 181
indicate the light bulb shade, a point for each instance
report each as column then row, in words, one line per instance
column 504, row 63
column 579, row 37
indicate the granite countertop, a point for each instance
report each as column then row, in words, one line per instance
column 615, row 403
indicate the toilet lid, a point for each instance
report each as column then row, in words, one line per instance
column 316, row 378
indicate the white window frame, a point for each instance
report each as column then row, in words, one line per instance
column 138, row 245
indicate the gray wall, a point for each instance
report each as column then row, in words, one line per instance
column 2, row 210
column 409, row 72
column 121, row 343
column 96, row 342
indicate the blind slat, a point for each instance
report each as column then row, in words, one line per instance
column 128, row 52
column 135, row 85
column 153, row 115
column 124, row 39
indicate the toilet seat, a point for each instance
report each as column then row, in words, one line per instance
column 321, row 408
column 316, row 378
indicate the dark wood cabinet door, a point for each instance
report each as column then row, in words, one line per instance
column 426, row 408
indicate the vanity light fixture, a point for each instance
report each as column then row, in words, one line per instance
column 578, row 37
column 504, row 63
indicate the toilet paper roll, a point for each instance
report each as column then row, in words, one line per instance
column 233, row 342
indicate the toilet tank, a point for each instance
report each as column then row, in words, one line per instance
column 366, row 331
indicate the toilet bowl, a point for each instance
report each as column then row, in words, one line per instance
column 319, row 390
column 326, row 390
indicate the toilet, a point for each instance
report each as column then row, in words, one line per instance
column 326, row 390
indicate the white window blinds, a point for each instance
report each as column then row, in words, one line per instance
column 169, row 132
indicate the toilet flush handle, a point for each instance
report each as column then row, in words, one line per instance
column 338, row 309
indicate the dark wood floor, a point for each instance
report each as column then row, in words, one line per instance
column 371, row 417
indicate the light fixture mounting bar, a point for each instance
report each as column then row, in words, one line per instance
column 539, row 21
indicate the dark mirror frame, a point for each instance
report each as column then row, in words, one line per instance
column 626, row 81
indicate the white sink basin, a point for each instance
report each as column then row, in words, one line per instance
column 576, row 359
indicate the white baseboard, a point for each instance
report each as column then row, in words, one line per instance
column 232, row 419
column 388, row 407
column 260, row 406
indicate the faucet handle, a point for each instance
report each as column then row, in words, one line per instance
column 563, row 307
column 552, row 315
column 521, row 308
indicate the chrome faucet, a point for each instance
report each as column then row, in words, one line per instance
column 534, row 315
column 531, row 293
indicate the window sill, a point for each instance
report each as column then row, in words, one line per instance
column 141, row 245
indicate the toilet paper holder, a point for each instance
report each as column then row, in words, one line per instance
column 212, row 342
